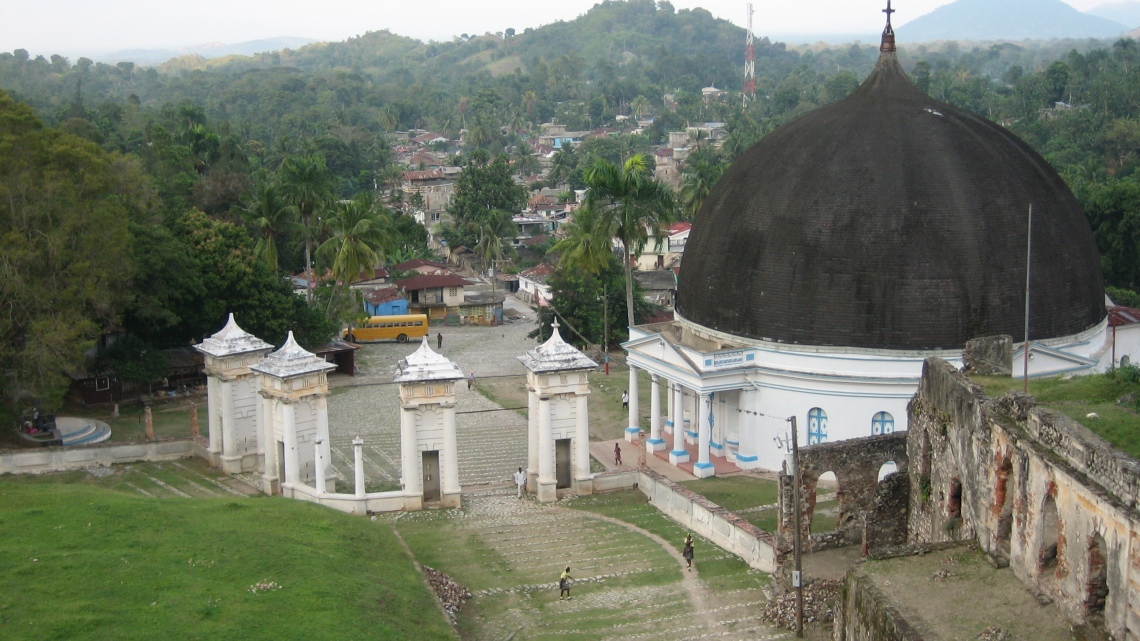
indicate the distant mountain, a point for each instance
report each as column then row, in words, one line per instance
column 211, row 50
column 1126, row 13
column 1006, row 20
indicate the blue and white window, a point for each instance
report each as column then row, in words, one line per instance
column 882, row 423
column 817, row 426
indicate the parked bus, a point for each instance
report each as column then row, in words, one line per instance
column 400, row 327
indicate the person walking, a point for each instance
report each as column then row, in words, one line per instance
column 520, row 480
column 617, row 454
column 625, row 400
column 439, row 340
column 564, row 584
column 471, row 380
column 687, row 551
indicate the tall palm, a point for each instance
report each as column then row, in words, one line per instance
column 389, row 117
column 561, row 165
column 640, row 106
column 308, row 185
column 697, row 181
column 625, row 203
column 496, row 227
column 361, row 238
column 271, row 215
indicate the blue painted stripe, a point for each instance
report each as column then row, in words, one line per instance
column 716, row 446
column 731, row 442
column 633, row 430
column 656, row 441
column 669, row 423
column 703, row 466
column 679, row 453
column 746, row 459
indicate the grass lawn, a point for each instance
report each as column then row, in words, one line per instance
column 1078, row 396
column 86, row 562
column 736, row 492
column 719, row 569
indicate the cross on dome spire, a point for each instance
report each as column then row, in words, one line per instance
column 888, row 44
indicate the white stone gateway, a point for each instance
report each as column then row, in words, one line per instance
column 294, row 390
column 232, row 389
column 559, row 426
column 429, row 465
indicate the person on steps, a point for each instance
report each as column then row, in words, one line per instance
column 564, row 584
column 687, row 552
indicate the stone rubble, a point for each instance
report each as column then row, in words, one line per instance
column 993, row 633
column 819, row 599
column 450, row 593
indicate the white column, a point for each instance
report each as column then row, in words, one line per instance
column 409, row 454
column 679, row 453
column 532, row 441
column 582, row 438
column 632, row 431
column 655, row 441
column 229, row 444
column 717, row 429
column 323, row 426
column 319, row 464
column 449, row 474
column 358, row 452
column 694, row 418
column 670, row 406
column 214, row 406
column 749, row 425
column 289, row 432
column 703, row 467
column 547, row 482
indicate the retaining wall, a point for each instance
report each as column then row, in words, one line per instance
column 62, row 459
column 697, row 514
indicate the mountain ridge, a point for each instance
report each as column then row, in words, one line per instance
column 1007, row 20
column 206, row 50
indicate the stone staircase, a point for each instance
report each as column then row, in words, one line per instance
column 82, row 431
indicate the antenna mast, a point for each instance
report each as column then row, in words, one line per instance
column 749, row 62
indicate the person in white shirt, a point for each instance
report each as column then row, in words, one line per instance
column 520, row 480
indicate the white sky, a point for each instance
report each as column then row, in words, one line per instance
column 91, row 27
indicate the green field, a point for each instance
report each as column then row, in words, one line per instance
column 1079, row 396
column 83, row 561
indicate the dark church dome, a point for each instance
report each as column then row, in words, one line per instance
column 889, row 220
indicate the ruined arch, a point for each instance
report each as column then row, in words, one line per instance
column 885, row 470
column 1096, row 586
column 1003, row 505
column 1049, row 551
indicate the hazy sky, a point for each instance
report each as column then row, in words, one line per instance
column 74, row 27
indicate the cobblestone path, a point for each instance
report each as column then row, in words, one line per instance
column 629, row 583
column 491, row 440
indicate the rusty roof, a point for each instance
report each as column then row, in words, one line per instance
column 430, row 281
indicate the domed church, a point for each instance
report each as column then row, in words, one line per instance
column 842, row 250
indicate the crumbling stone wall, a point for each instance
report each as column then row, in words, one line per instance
column 856, row 464
column 865, row 614
column 990, row 355
column 1034, row 488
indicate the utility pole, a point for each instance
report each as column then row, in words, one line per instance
column 606, row 330
column 1028, row 257
column 797, row 574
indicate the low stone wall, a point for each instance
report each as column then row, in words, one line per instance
column 723, row 528
column 610, row 481
column 353, row 504
column 863, row 613
column 62, row 459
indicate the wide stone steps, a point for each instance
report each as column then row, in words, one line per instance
column 82, row 431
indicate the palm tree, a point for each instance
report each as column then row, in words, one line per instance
column 388, row 118
column 270, row 215
column 496, row 227
column 308, row 185
column 529, row 100
column 621, row 202
column 561, row 165
column 360, row 239
column 697, row 181
column 640, row 106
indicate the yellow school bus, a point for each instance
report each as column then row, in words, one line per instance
column 379, row 328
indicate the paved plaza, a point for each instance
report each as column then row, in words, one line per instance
column 492, row 440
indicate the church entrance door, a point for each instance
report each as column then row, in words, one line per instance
column 431, row 475
column 562, row 462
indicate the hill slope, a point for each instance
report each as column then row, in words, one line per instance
column 212, row 50
column 1006, row 20
column 1126, row 13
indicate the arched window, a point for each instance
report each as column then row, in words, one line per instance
column 817, row 426
column 882, row 423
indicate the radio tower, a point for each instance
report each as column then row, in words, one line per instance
column 749, row 62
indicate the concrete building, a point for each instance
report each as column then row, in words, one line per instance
column 236, row 444
column 845, row 248
column 429, row 460
column 558, row 389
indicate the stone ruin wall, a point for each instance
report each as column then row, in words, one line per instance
column 1036, row 490
column 871, row 512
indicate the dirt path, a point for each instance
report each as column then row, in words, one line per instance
column 699, row 597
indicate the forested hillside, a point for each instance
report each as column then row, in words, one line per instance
column 204, row 182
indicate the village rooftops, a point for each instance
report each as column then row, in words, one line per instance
column 292, row 361
column 556, row 355
column 430, row 281
column 383, row 295
column 538, row 273
column 417, row 263
column 425, row 365
column 232, row 340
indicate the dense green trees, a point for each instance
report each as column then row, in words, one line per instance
column 483, row 188
column 577, row 297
